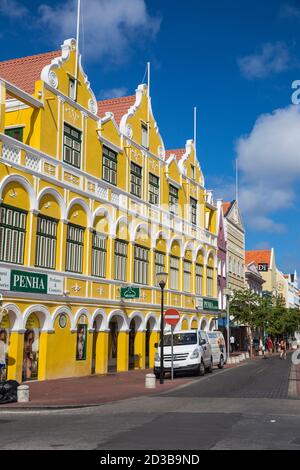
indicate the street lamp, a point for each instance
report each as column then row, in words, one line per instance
column 228, row 293
column 161, row 279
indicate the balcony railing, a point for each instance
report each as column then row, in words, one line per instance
column 19, row 154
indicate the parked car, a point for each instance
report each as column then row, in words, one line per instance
column 294, row 343
column 192, row 353
column 218, row 348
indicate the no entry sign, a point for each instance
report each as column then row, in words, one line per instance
column 172, row 317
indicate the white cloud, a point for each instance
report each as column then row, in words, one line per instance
column 112, row 93
column 273, row 58
column 111, row 28
column 269, row 159
column 13, row 9
column 289, row 11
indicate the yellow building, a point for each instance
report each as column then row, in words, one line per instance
column 90, row 202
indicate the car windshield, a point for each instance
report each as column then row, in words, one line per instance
column 181, row 339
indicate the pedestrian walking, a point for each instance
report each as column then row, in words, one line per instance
column 282, row 349
column 232, row 343
column 270, row 345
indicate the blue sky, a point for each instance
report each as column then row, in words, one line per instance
column 235, row 61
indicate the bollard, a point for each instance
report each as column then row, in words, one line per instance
column 23, row 394
column 150, row 381
column 247, row 355
column 237, row 360
column 243, row 357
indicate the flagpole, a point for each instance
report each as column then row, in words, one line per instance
column 195, row 129
column 148, row 118
column 237, row 181
column 77, row 44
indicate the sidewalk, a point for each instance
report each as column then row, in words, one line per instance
column 94, row 390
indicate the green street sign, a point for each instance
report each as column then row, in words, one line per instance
column 21, row 281
column 211, row 305
column 130, row 293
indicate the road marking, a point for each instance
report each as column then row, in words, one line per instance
column 200, row 379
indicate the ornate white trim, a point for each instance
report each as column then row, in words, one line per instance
column 140, row 92
column 49, row 76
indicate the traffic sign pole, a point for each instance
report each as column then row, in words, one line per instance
column 172, row 351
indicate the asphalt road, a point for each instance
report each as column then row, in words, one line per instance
column 249, row 407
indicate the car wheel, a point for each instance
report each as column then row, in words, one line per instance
column 210, row 368
column 201, row 369
column 221, row 363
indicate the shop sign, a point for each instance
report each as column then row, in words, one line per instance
column 35, row 283
column 130, row 293
column 210, row 305
column 263, row 267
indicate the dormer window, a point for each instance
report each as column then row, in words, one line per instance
column 72, row 146
column 173, row 200
column 72, row 89
column 145, row 136
column 192, row 172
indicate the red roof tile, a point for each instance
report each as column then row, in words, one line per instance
column 226, row 206
column 258, row 256
column 24, row 72
column 177, row 152
column 118, row 106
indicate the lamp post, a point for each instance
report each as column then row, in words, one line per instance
column 162, row 281
column 228, row 293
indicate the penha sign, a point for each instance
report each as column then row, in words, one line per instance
column 35, row 283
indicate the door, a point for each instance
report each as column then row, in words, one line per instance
column 206, row 351
column 113, row 347
column 31, row 349
column 94, row 351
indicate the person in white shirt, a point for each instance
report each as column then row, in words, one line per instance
column 232, row 343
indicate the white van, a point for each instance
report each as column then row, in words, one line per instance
column 192, row 353
column 218, row 348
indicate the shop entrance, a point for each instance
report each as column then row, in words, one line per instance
column 148, row 335
column 31, row 349
column 94, row 350
column 4, row 345
column 132, row 335
column 113, row 346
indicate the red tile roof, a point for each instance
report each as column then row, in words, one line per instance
column 24, row 72
column 226, row 206
column 118, row 106
column 177, row 152
column 258, row 256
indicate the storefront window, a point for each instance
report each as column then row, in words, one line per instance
column 4, row 344
column 31, row 349
column 81, row 342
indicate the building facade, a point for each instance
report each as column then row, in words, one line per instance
column 266, row 265
column 293, row 291
column 92, row 206
column 254, row 279
column 235, row 238
column 222, row 258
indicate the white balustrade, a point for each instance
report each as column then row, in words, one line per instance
column 33, row 162
column 11, row 154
